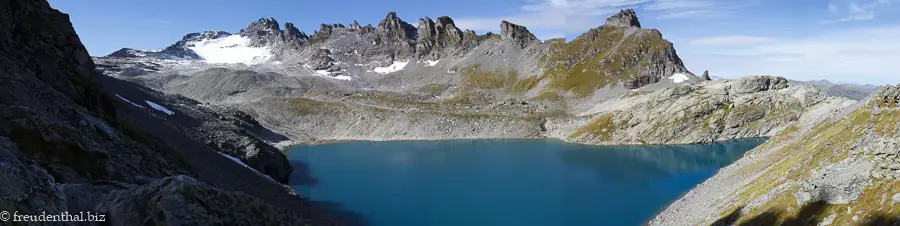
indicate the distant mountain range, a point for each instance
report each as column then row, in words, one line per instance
column 852, row 91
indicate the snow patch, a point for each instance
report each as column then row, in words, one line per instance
column 431, row 63
column 679, row 77
column 396, row 66
column 126, row 100
column 323, row 72
column 343, row 77
column 231, row 49
column 159, row 108
column 237, row 160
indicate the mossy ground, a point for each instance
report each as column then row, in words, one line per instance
column 601, row 129
column 797, row 155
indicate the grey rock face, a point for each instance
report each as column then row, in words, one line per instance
column 759, row 83
column 267, row 32
column 706, row 76
column 625, row 18
column 291, row 33
column 713, row 111
column 25, row 186
column 322, row 34
column 516, row 34
column 320, row 60
column 355, row 26
column 437, row 39
column 180, row 200
column 59, row 117
column 392, row 31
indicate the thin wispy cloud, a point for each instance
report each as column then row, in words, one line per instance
column 858, row 55
column 576, row 16
column 674, row 9
column 730, row 41
column 854, row 10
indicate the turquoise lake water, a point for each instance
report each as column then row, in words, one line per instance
column 503, row 182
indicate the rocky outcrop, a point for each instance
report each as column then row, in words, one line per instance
column 758, row 83
column 835, row 168
column 392, row 31
column 69, row 135
column 701, row 113
column 180, row 49
column 320, row 60
column 516, row 34
column 25, row 186
column 606, row 57
column 625, row 18
column 179, row 200
column 437, row 38
column 293, row 34
column 322, row 34
column 263, row 32
column 706, row 76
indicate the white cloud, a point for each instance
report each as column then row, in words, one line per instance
column 833, row 8
column 729, row 41
column 854, row 11
column 576, row 16
column 861, row 55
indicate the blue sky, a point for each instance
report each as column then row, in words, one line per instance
column 852, row 41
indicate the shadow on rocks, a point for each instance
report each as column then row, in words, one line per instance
column 882, row 220
column 810, row 214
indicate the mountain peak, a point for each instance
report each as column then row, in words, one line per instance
column 396, row 28
column 625, row 18
column 264, row 24
column 518, row 34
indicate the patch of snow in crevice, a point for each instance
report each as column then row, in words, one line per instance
column 679, row 77
column 159, row 108
column 323, row 72
column 431, row 63
column 396, row 66
column 237, row 160
column 343, row 77
column 231, row 49
column 126, row 100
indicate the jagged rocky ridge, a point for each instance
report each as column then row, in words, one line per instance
column 615, row 84
column 72, row 138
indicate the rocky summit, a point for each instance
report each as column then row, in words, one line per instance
column 179, row 134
